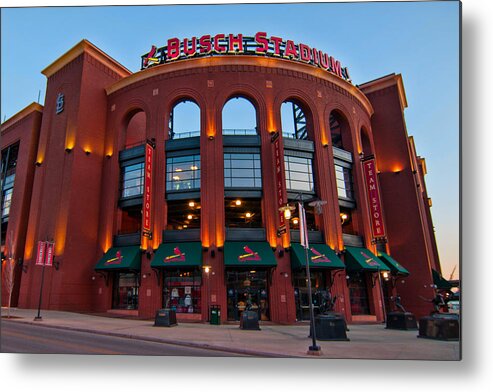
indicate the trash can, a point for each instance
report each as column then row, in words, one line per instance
column 215, row 315
column 165, row 318
column 249, row 320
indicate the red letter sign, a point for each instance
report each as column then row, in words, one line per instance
column 173, row 48
column 263, row 43
column 373, row 198
column 146, row 210
column 279, row 183
column 40, row 256
column 50, row 250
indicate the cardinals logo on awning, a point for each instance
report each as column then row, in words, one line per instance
column 369, row 260
column 250, row 255
column 178, row 256
column 319, row 257
column 116, row 260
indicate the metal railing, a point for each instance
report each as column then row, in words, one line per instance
column 239, row 132
column 183, row 135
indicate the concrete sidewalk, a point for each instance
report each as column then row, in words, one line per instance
column 366, row 341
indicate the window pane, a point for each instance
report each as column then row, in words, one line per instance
column 183, row 173
column 344, row 182
column 243, row 182
column 183, row 214
column 298, row 173
column 132, row 181
column 243, row 170
column 7, row 201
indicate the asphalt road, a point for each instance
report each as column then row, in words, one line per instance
column 36, row 339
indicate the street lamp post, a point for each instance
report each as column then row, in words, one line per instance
column 313, row 349
column 207, row 269
column 382, row 296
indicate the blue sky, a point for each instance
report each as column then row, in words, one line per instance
column 420, row 40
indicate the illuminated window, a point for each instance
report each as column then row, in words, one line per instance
column 247, row 213
column 299, row 174
column 181, row 291
column 242, row 171
column 183, row 173
column 132, row 180
column 183, row 214
column 344, row 182
column 7, row 198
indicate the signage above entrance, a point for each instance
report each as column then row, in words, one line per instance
column 230, row 44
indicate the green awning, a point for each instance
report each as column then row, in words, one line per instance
column 320, row 256
column 394, row 266
column 439, row 281
column 120, row 258
column 358, row 259
column 177, row 255
column 248, row 254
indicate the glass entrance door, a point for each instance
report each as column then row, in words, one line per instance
column 358, row 294
column 247, row 289
column 319, row 287
column 125, row 291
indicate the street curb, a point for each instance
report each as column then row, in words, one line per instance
column 254, row 353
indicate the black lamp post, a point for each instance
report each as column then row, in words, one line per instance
column 314, row 349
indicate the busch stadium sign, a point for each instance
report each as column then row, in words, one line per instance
column 230, row 44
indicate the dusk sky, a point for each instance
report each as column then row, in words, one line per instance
column 418, row 40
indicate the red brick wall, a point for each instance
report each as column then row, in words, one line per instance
column 26, row 132
column 405, row 222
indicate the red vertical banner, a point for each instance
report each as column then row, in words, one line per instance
column 40, row 255
column 50, row 250
column 373, row 198
column 279, row 183
column 146, row 210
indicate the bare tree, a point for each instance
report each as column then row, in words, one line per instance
column 9, row 273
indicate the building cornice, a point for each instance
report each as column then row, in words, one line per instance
column 255, row 61
column 33, row 107
column 384, row 82
column 85, row 46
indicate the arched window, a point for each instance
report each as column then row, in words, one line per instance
column 343, row 159
column 184, row 120
column 135, row 132
column 242, row 166
column 239, row 117
column 296, row 123
column 340, row 131
column 365, row 142
column 293, row 121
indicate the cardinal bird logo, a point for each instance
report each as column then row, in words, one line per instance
column 369, row 260
column 319, row 257
column 178, row 256
column 250, row 255
column 115, row 260
column 150, row 59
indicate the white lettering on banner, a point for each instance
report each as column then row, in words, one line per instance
column 373, row 198
column 40, row 254
column 146, row 216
